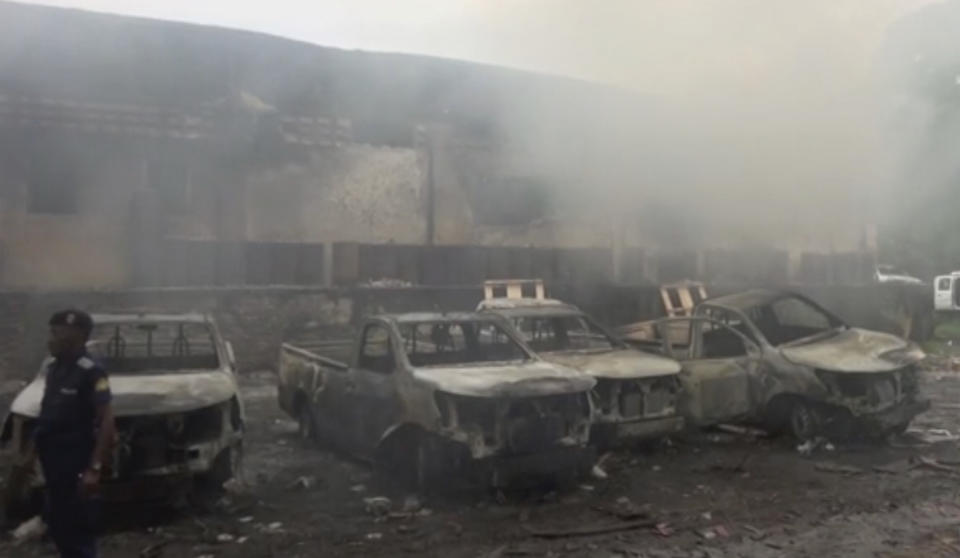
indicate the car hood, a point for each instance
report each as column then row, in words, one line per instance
column 856, row 350
column 621, row 364
column 521, row 379
column 147, row 394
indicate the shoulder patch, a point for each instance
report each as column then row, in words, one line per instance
column 86, row 363
column 102, row 385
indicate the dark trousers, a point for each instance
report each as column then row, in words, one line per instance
column 72, row 519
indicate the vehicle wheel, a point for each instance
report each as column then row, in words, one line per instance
column 418, row 461
column 21, row 501
column 306, row 425
column 803, row 420
column 208, row 487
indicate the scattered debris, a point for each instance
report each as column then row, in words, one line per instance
column 839, row 468
column 935, row 465
column 153, row 550
column 743, row 430
column 663, row 529
column 896, row 468
column 412, row 504
column 586, row 531
column 246, row 519
column 756, row 534
column 374, row 536
column 378, row 506
column 303, row 483
column 225, row 538
column 357, row 488
column 29, row 530
column 598, row 473
column 625, row 509
column 587, row 487
column 811, row 445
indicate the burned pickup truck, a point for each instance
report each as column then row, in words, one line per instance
column 431, row 397
column 780, row 360
column 178, row 415
column 636, row 393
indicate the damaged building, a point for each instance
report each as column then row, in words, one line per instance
column 187, row 155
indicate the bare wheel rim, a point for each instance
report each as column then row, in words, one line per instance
column 802, row 421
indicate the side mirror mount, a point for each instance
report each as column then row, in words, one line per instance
column 231, row 358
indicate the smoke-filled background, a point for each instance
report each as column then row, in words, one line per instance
column 776, row 122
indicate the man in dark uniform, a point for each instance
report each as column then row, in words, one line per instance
column 73, row 435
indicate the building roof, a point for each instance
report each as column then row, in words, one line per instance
column 199, row 124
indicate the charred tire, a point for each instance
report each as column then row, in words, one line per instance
column 306, row 425
column 20, row 500
column 208, row 487
column 899, row 429
column 804, row 419
column 418, row 461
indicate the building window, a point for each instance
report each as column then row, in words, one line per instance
column 511, row 201
column 52, row 189
column 171, row 181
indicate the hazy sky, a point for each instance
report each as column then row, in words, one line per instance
column 659, row 46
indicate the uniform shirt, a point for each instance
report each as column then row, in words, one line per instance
column 70, row 398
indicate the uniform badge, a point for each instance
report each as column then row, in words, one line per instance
column 102, row 385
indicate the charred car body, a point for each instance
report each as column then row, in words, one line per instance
column 427, row 395
column 780, row 359
column 178, row 415
column 636, row 393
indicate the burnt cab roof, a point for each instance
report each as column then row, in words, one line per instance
column 762, row 297
column 435, row 317
column 528, row 307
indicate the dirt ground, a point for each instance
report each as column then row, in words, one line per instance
column 710, row 495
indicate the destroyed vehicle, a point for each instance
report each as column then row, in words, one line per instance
column 178, row 416
column 780, row 360
column 433, row 397
column 636, row 393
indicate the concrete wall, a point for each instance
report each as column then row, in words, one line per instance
column 88, row 247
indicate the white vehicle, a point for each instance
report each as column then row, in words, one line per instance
column 178, row 412
column 946, row 295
